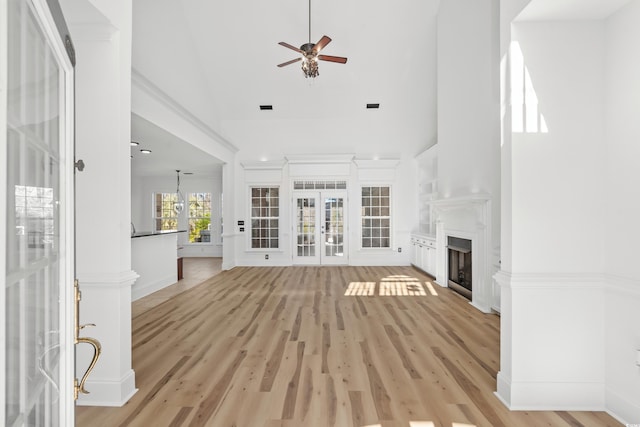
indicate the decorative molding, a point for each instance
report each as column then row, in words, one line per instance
column 550, row 281
column 550, row 396
column 376, row 164
column 141, row 82
column 468, row 218
column 622, row 285
column 455, row 202
column 106, row 392
column 274, row 165
column 621, row 408
column 606, row 282
column 108, row 280
column 318, row 158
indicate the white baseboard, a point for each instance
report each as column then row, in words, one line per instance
column 503, row 387
column 106, row 392
column 538, row 396
column 622, row 408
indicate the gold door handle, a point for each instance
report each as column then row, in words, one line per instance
column 78, row 386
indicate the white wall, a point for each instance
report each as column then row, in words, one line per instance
column 142, row 209
column 622, row 210
column 468, row 95
column 468, row 102
column 399, row 174
column 557, row 174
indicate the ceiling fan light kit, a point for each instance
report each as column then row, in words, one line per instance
column 310, row 68
column 311, row 54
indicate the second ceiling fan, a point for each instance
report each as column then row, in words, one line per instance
column 311, row 53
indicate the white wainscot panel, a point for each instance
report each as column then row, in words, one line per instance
column 155, row 259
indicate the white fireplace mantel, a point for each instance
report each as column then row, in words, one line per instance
column 468, row 218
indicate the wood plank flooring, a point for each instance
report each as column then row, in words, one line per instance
column 319, row 346
column 196, row 271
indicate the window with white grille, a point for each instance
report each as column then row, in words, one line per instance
column 376, row 217
column 265, row 217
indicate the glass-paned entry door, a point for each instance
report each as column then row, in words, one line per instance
column 37, row 234
column 320, row 228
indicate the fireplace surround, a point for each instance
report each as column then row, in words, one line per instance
column 467, row 218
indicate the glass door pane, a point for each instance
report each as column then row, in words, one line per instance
column 320, row 228
column 36, row 236
column 333, row 229
column 306, row 217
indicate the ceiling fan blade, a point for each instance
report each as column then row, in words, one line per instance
column 330, row 58
column 289, row 62
column 321, row 43
column 290, row 47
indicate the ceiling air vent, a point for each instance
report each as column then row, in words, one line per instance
column 266, row 107
column 373, row 105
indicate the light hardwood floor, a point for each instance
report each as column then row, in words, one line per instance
column 196, row 271
column 319, row 346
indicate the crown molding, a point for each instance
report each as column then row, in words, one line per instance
column 376, row 164
column 275, row 165
column 141, row 82
column 318, row 158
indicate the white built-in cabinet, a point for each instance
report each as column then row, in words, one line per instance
column 427, row 163
column 423, row 242
column 423, row 253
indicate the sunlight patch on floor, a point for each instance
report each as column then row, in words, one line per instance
column 402, row 289
column 432, row 290
column 425, row 424
column 394, row 285
column 361, row 289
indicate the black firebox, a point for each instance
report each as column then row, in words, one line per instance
column 459, row 266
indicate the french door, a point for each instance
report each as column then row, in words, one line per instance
column 320, row 236
column 36, row 212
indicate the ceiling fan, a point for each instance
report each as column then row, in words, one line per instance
column 311, row 54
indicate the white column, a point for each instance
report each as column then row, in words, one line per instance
column 102, row 39
column 552, row 288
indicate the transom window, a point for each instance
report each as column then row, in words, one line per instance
column 376, row 217
column 319, row 185
column 265, row 217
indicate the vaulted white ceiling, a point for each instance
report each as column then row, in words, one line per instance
column 566, row 10
column 217, row 59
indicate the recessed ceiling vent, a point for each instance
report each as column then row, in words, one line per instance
column 266, row 107
column 373, row 105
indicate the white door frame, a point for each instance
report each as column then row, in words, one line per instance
column 49, row 25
